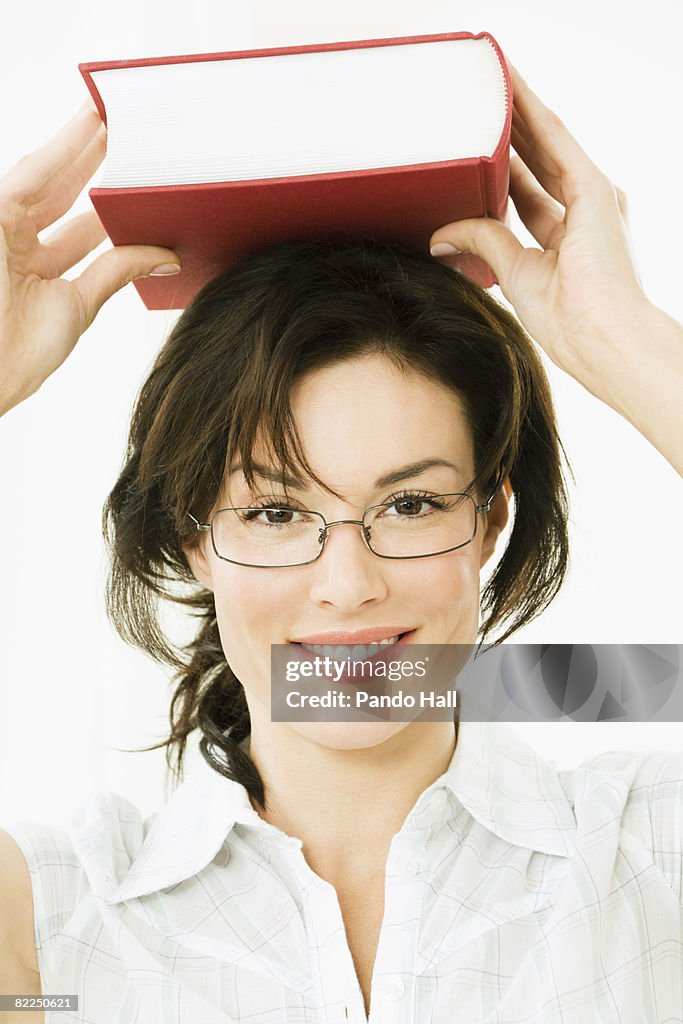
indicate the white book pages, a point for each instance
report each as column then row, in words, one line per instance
column 307, row 113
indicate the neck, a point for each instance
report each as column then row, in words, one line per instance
column 346, row 804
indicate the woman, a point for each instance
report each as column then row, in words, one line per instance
column 317, row 871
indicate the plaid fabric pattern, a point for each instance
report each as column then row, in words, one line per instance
column 515, row 894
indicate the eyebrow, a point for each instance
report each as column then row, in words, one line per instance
column 387, row 480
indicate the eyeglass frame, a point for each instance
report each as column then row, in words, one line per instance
column 324, row 531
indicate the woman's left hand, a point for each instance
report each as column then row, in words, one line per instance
column 579, row 296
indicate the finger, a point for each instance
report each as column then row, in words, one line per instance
column 28, row 182
column 549, row 143
column 540, row 214
column 622, row 202
column 625, row 231
column 72, row 242
column 114, row 269
column 87, row 104
column 486, row 238
column 540, row 166
column 521, row 130
column 64, row 191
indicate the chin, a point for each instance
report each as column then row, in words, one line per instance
column 348, row 735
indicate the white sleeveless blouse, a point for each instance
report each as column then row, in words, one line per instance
column 513, row 893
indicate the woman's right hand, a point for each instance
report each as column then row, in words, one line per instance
column 42, row 315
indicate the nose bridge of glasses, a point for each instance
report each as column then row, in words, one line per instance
column 344, row 522
column 341, row 522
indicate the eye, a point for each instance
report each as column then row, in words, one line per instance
column 272, row 516
column 413, row 504
column 274, row 513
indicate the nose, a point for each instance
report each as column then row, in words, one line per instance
column 347, row 575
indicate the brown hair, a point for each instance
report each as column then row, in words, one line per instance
column 226, row 371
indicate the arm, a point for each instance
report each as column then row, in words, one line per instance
column 579, row 295
column 42, row 315
column 19, row 973
column 643, row 381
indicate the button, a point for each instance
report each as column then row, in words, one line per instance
column 391, row 987
column 407, row 867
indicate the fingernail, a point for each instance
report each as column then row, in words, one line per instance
column 165, row 268
column 444, row 249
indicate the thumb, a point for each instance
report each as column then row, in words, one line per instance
column 484, row 237
column 115, row 268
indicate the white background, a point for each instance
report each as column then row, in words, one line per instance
column 70, row 690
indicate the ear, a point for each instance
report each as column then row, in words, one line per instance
column 496, row 520
column 199, row 563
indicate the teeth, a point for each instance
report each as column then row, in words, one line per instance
column 357, row 652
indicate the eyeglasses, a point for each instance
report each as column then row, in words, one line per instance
column 275, row 536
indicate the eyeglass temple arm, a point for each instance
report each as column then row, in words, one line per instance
column 487, row 504
column 200, row 526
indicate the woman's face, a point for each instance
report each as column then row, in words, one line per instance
column 358, row 421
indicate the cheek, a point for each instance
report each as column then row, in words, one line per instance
column 252, row 611
column 445, row 596
column 447, row 582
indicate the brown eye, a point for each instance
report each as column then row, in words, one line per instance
column 278, row 516
column 410, row 506
column 273, row 516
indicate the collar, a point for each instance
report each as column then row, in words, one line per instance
column 496, row 776
column 510, row 789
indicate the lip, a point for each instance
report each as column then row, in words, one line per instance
column 360, row 636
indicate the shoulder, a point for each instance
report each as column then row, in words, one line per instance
column 659, row 779
column 650, row 780
column 18, row 958
column 57, row 868
column 654, row 811
column 641, row 792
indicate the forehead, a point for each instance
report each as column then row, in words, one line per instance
column 361, row 418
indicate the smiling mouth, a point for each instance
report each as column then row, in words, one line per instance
column 357, row 652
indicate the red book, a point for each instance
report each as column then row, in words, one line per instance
column 216, row 155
